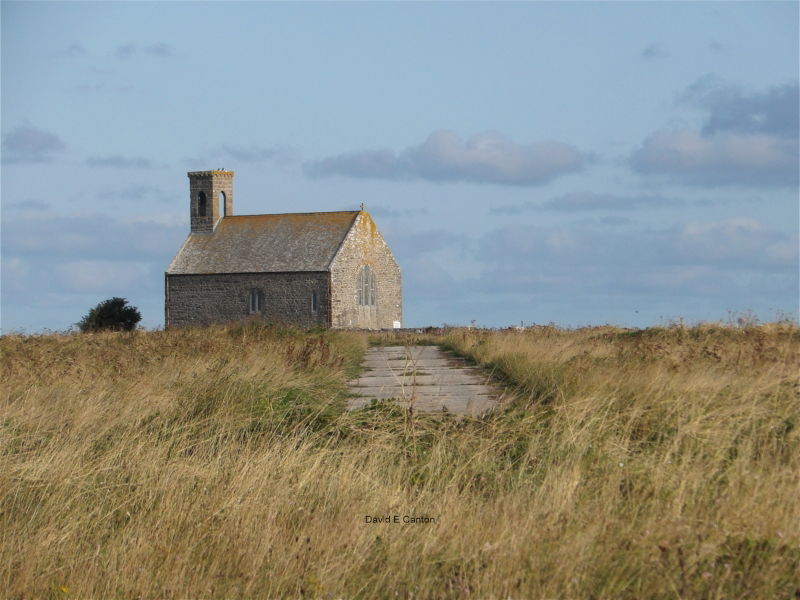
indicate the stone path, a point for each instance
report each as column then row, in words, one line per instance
column 425, row 378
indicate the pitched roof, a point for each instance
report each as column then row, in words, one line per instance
column 265, row 243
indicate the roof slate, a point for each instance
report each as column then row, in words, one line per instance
column 265, row 243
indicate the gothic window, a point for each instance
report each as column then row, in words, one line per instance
column 366, row 287
column 202, row 204
column 256, row 301
column 314, row 302
column 222, row 202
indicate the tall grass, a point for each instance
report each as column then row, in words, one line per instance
column 220, row 463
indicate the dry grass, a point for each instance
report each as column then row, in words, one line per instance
column 220, row 463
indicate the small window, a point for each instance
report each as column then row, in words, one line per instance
column 366, row 287
column 202, row 204
column 314, row 303
column 224, row 209
column 256, row 301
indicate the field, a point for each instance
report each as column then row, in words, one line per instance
column 211, row 463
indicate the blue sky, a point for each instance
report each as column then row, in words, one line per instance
column 576, row 163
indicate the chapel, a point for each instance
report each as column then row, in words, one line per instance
column 330, row 269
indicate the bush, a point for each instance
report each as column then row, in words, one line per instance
column 113, row 314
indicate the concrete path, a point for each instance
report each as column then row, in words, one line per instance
column 425, row 378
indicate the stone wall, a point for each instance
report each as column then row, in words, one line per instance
column 364, row 245
column 204, row 299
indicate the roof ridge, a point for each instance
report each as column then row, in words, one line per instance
column 317, row 212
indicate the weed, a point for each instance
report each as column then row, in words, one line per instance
column 221, row 462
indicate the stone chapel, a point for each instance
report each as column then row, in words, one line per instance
column 330, row 269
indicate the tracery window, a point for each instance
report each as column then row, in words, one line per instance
column 366, row 287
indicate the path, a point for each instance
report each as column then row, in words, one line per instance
column 424, row 377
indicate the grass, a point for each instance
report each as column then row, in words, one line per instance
column 661, row 463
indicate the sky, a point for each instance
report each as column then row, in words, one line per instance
column 588, row 163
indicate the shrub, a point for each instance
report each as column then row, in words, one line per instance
column 113, row 314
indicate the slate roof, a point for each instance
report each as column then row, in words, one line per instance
column 265, row 243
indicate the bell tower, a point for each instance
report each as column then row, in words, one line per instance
column 210, row 198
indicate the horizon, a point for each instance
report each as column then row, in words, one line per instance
column 573, row 164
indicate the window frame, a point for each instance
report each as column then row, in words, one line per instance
column 256, row 301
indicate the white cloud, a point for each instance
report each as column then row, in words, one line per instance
column 748, row 139
column 742, row 240
column 101, row 276
column 484, row 158
column 723, row 158
column 90, row 236
column 55, row 266
column 738, row 263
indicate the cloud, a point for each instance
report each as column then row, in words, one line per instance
column 445, row 157
column 255, row 153
column 594, row 270
column 74, row 50
column 654, row 51
column 585, row 201
column 614, row 221
column 99, row 275
column 132, row 192
column 723, row 158
column 413, row 242
column 55, row 266
column 126, row 51
column 27, row 205
column 369, row 164
column 89, row 236
column 773, row 111
column 130, row 50
column 119, row 162
column 29, row 144
column 592, row 273
column 738, row 241
column 394, row 213
column 104, row 86
column 747, row 139
column 159, row 50
column 694, row 269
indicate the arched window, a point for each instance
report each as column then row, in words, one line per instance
column 256, row 301
column 366, row 287
column 202, row 204
column 222, row 203
column 314, row 302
